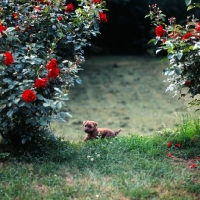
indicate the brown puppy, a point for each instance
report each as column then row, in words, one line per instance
column 90, row 127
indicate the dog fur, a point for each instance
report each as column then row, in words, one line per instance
column 90, row 127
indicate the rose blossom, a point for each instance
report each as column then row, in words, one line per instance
column 197, row 28
column 188, row 35
column 96, row 1
column 69, row 7
column 17, row 28
column 170, row 154
column 53, row 73
column 178, row 145
column 192, row 166
column 8, row 58
column 41, row 82
column 169, row 144
column 2, row 28
column 188, row 83
column 60, row 18
column 52, row 64
column 37, row 8
column 102, row 17
column 28, row 96
column 15, row 16
column 159, row 31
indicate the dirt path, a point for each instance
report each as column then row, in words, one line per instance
column 124, row 92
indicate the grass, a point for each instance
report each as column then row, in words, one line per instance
column 130, row 167
column 122, row 92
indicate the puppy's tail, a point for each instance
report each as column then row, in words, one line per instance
column 116, row 132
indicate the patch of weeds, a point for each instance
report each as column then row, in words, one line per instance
column 42, row 150
column 193, row 186
column 140, row 193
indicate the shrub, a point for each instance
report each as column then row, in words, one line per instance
column 41, row 44
column 182, row 44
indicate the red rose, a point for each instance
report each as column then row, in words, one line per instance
column 69, row 7
column 37, row 8
column 102, row 17
column 96, row 1
column 159, row 31
column 28, row 96
column 2, row 28
column 41, row 82
column 17, row 28
column 188, row 83
column 192, row 166
column 187, row 36
column 53, row 73
column 15, row 16
column 170, row 154
column 8, row 58
column 178, row 145
column 197, row 28
column 169, row 144
column 163, row 40
column 52, row 64
column 60, row 18
column 28, row 28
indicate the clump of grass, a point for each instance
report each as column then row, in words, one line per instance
column 131, row 167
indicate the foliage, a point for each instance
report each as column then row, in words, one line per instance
column 182, row 44
column 41, row 42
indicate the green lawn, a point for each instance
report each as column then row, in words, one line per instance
column 129, row 167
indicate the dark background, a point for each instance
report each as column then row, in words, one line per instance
column 127, row 31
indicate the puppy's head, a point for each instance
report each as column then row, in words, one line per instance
column 89, row 126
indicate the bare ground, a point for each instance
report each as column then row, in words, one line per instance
column 124, row 92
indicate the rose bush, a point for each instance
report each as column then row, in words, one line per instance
column 41, row 44
column 182, row 44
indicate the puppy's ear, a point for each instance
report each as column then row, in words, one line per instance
column 95, row 123
column 84, row 122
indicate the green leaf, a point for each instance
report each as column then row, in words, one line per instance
column 164, row 60
column 43, row 122
column 188, row 2
column 59, row 105
column 9, row 113
column 178, row 71
column 150, row 41
column 190, row 7
column 2, row 106
column 28, row 105
column 11, row 87
column 46, row 104
column 24, row 140
column 16, row 100
column 78, row 80
column 63, row 114
column 58, row 90
column 179, row 55
column 7, row 80
column 40, row 97
column 21, row 103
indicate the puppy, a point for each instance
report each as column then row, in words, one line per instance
column 90, row 127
